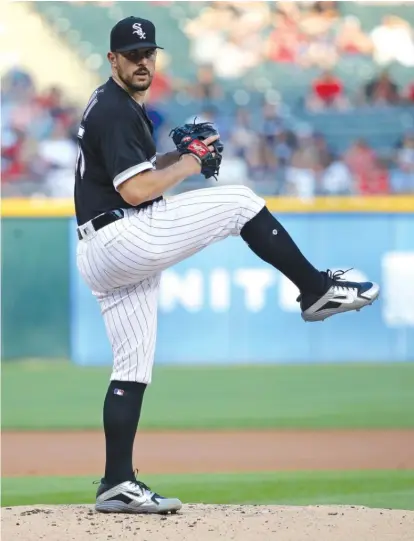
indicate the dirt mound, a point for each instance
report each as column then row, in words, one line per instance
column 210, row 522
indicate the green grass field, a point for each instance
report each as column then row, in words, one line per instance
column 393, row 489
column 42, row 395
column 51, row 395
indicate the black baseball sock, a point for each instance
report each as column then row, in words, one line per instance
column 122, row 409
column 269, row 240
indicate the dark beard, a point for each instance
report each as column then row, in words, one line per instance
column 133, row 87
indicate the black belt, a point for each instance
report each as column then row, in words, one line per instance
column 112, row 216
column 104, row 219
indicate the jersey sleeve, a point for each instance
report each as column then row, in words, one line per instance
column 121, row 142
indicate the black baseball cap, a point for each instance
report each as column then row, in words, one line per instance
column 133, row 33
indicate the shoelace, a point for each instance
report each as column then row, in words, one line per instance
column 141, row 485
column 336, row 277
column 337, row 274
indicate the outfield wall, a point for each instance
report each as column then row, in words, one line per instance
column 35, row 276
column 223, row 304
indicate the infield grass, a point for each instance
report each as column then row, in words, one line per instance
column 386, row 489
column 47, row 395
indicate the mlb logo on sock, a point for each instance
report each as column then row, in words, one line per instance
column 119, row 392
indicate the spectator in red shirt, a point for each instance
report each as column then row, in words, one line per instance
column 283, row 48
column 408, row 94
column 359, row 157
column 11, row 165
column 52, row 98
column 283, row 43
column 369, row 174
column 162, row 85
column 327, row 93
column 161, row 88
column 375, row 181
column 351, row 39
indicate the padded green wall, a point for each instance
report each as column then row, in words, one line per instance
column 35, row 287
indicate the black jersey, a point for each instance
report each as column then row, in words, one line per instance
column 116, row 142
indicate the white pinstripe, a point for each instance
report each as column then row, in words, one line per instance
column 122, row 264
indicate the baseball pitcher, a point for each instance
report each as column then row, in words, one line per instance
column 129, row 233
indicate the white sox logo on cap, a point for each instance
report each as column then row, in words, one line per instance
column 138, row 30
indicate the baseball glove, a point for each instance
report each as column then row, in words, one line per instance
column 189, row 140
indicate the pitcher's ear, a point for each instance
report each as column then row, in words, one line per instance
column 112, row 58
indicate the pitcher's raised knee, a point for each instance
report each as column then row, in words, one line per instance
column 249, row 204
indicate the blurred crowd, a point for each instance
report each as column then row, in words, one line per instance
column 227, row 39
column 230, row 38
column 39, row 149
column 327, row 92
column 277, row 159
column 236, row 36
column 38, row 139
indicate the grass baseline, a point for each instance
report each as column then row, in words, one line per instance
column 373, row 488
column 48, row 395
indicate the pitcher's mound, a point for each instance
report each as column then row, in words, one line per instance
column 210, row 523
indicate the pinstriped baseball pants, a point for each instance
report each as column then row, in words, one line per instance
column 122, row 264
